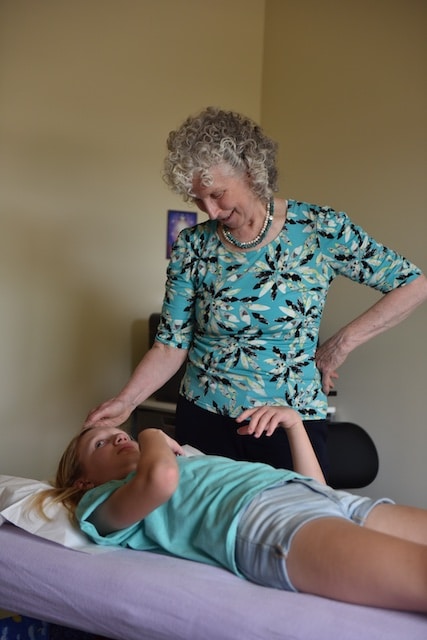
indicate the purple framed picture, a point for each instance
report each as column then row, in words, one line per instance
column 177, row 221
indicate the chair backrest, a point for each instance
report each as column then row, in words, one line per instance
column 353, row 456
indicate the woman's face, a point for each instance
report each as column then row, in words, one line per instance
column 229, row 199
column 107, row 453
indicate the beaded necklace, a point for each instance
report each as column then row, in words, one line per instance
column 258, row 238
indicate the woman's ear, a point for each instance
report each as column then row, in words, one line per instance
column 83, row 485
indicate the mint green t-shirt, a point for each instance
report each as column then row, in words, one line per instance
column 199, row 522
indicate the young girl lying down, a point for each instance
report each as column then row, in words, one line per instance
column 277, row 528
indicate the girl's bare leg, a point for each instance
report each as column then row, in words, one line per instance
column 337, row 559
column 408, row 523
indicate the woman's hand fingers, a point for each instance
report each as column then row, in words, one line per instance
column 109, row 414
column 266, row 419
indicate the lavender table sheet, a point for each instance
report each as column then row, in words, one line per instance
column 130, row 595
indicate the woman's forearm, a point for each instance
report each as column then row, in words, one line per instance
column 388, row 312
column 393, row 307
column 158, row 365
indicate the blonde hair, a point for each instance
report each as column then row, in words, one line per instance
column 215, row 137
column 64, row 487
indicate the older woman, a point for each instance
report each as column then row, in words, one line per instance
column 245, row 294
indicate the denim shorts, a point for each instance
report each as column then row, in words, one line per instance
column 270, row 521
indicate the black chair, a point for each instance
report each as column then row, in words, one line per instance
column 353, row 456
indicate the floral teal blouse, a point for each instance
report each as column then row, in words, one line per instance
column 250, row 320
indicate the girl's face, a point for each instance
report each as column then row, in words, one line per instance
column 106, row 453
column 229, row 199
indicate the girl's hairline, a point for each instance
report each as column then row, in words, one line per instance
column 94, row 427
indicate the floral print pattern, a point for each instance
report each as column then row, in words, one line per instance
column 250, row 320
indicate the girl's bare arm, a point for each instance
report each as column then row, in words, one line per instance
column 267, row 419
column 155, row 481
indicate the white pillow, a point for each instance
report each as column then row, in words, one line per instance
column 15, row 506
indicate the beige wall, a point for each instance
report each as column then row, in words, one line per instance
column 89, row 91
column 344, row 90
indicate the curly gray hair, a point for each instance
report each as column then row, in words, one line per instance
column 216, row 137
